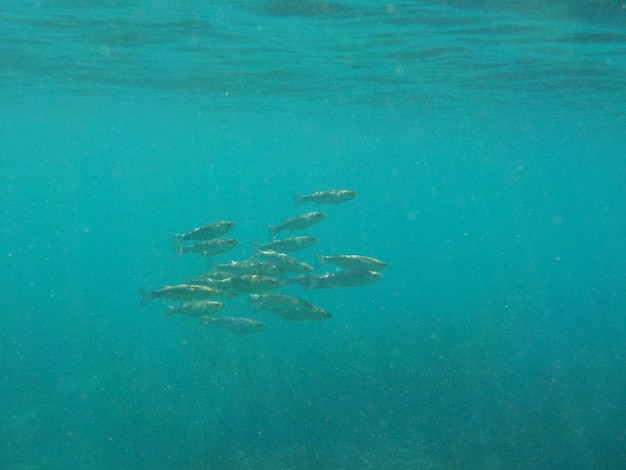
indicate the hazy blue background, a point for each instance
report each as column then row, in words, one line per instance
column 486, row 144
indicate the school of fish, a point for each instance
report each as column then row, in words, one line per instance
column 268, row 269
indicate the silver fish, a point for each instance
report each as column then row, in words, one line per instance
column 284, row 245
column 244, row 267
column 214, row 276
column 353, row 262
column 179, row 292
column 206, row 232
column 285, row 262
column 333, row 196
column 290, row 307
column 223, row 286
column 194, row 309
column 253, row 283
column 208, row 247
column 237, row 324
column 332, row 280
column 298, row 222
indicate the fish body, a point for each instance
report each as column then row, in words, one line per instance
column 253, row 283
column 353, row 262
column 292, row 308
column 333, row 196
column 206, row 232
column 199, row 308
column 208, row 247
column 299, row 222
column 288, row 244
column 339, row 279
column 223, row 285
column 285, row 262
column 237, row 324
column 182, row 292
column 211, row 276
column 245, row 267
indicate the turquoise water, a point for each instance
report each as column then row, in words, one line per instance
column 486, row 143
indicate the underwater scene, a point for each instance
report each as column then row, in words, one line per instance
column 298, row 234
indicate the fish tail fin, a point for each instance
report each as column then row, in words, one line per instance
column 254, row 300
column 298, row 279
column 177, row 244
column 272, row 231
column 321, row 259
column 146, row 297
column 308, row 282
column 297, row 199
column 259, row 307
